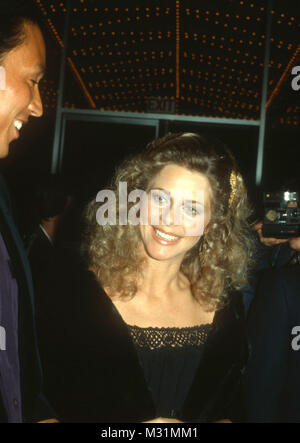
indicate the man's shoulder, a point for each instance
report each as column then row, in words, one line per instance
column 280, row 288
column 285, row 274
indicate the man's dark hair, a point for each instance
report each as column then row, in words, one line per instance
column 13, row 15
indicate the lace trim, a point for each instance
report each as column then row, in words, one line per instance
column 156, row 338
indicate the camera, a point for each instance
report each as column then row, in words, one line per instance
column 281, row 214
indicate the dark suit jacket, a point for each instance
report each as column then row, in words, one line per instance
column 266, row 258
column 40, row 253
column 272, row 383
column 92, row 371
column 34, row 405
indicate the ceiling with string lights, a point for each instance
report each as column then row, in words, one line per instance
column 177, row 56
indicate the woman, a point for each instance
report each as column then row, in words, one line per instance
column 154, row 331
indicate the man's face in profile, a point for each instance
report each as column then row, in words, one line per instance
column 24, row 67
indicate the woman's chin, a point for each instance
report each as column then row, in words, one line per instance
column 161, row 253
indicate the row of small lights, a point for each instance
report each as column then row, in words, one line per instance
column 195, row 100
column 204, row 39
column 289, row 122
column 142, row 35
column 204, row 92
column 161, row 71
column 146, row 55
column 111, row 68
column 167, row 11
column 219, row 109
column 187, row 10
column 143, row 87
column 188, row 13
column 121, row 11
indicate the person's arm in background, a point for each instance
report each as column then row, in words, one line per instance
column 294, row 243
column 273, row 252
column 268, row 241
column 270, row 253
column 277, row 251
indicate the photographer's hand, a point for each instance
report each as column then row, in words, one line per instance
column 268, row 241
column 295, row 243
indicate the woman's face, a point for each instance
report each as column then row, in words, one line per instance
column 179, row 210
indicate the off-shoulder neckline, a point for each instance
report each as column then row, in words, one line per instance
column 171, row 328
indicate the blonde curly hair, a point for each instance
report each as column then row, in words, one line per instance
column 220, row 261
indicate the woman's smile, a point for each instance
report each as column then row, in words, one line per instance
column 164, row 238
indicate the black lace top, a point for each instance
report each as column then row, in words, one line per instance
column 170, row 358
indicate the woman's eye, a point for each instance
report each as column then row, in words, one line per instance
column 191, row 210
column 159, row 198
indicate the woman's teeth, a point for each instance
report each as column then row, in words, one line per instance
column 165, row 236
column 18, row 125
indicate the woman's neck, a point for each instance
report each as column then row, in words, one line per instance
column 161, row 279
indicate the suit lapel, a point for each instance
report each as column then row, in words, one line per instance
column 15, row 247
column 3, row 414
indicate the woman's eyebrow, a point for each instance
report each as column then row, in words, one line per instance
column 160, row 189
column 195, row 202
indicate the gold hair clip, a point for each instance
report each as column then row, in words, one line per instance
column 233, row 181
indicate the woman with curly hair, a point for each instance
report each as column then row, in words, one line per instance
column 154, row 331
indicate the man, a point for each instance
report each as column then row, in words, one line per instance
column 278, row 252
column 271, row 253
column 22, row 58
column 52, row 203
column 271, row 379
column 272, row 385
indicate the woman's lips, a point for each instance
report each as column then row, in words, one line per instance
column 164, row 241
